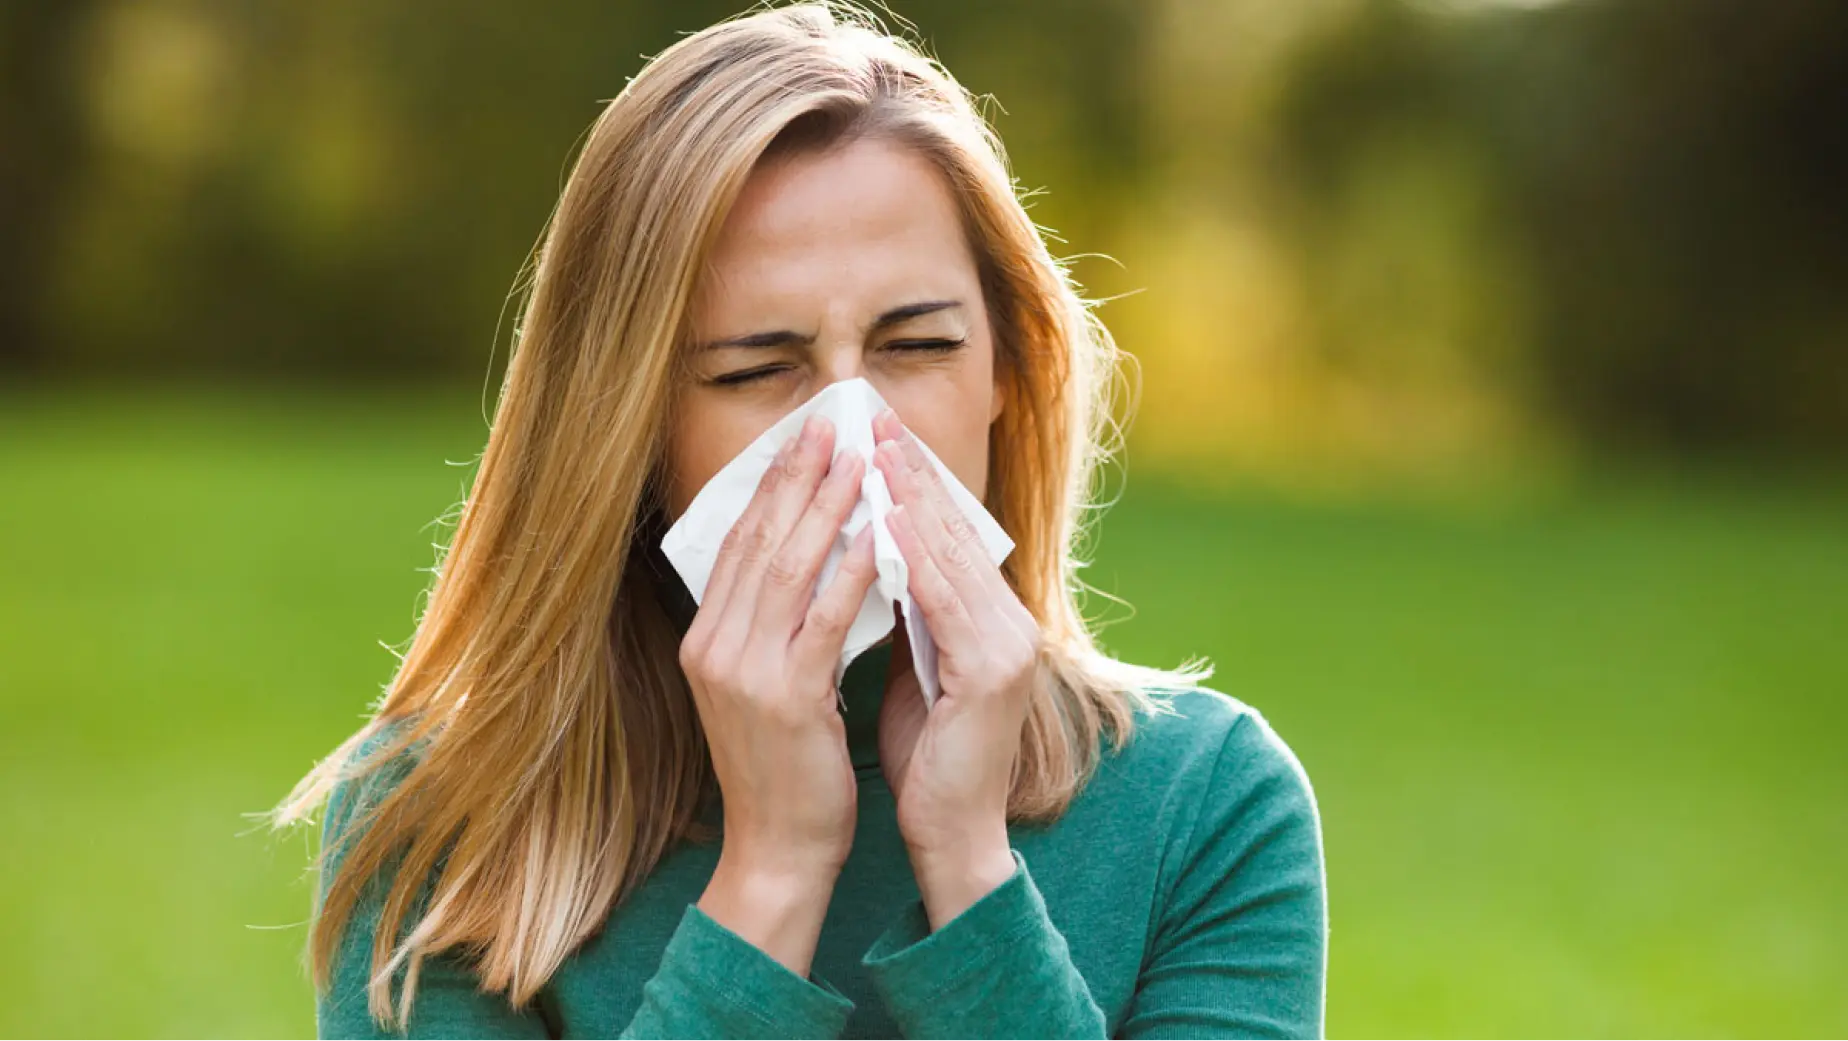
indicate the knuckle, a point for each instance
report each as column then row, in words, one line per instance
column 751, row 692
column 756, row 543
column 793, row 464
column 692, row 657
column 962, row 532
column 783, row 570
column 760, row 682
column 835, row 503
column 780, row 472
column 957, row 556
column 705, row 663
column 728, row 546
column 828, row 616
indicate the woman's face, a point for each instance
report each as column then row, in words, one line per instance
column 850, row 262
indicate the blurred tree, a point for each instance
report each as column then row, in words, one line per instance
column 1688, row 215
column 41, row 142
column 1673, row 170
column 346, row 190
column 1363, row 223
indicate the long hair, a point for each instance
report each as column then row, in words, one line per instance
column 558, row 754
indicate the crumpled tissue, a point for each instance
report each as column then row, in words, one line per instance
column 692, row 543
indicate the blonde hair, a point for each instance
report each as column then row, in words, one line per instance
column 558, row 755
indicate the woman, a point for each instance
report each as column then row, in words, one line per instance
column 588, row 806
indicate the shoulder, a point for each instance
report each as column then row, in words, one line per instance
column 1241, row 824
column 370, row 765
column 368, row 768
column 1239, row 889
column 1200, row 733
column 1209, row 771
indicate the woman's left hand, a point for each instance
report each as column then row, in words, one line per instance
column 951, row 766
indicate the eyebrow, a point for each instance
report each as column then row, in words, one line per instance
column 789, row 338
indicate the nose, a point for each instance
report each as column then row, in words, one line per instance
column 842, row 360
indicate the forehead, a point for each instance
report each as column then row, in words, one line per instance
column 852, row 225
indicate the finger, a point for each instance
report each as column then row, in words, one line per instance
column 927, row 485
column 779, row 501
column 961, row 531
column 725, row 562
column 789, row 578
column 943, row 530
column 824, row 629
column 926, row 481
column 953, row 540
column 946, row 613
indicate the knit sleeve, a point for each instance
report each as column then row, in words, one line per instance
column 711, row 983
column 714, row 983
column 1239, row 949
column 1001, row 968
column 1241, row 946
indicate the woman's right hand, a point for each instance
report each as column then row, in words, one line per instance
column 760, row 659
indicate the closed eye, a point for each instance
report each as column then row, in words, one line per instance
column 733, row 379
column 925, row 345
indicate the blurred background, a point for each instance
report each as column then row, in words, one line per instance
column 1491, row 438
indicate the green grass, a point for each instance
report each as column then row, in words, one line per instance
column 1579, row 759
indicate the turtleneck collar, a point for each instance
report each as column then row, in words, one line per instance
column 863, row 688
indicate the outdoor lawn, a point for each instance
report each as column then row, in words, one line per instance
column 1579, row 757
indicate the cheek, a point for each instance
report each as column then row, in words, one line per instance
column 702, row 443
column 966, row 454
column 953, row 418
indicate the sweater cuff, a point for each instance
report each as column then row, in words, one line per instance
column 750, row 993
column 935, row 982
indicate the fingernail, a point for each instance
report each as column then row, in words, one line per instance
column 811, row 429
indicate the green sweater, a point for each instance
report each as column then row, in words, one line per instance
column 1181, row 895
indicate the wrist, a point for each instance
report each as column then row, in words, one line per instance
column 951, row 879
column 781, row 885
column 777, row 909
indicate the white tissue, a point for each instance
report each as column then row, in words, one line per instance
column 692, row 544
